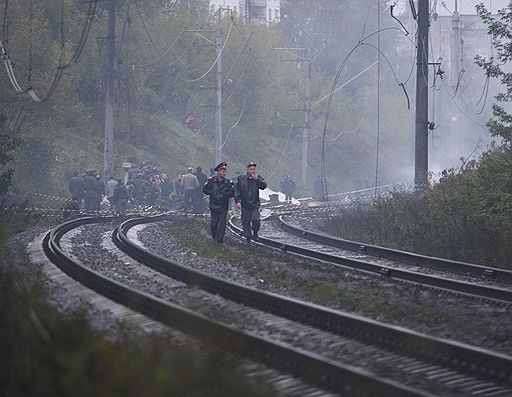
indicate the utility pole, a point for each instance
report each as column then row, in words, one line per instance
column 108, row 154
column 307, row 119
column 218, row 113
column 421, row 127
column 308, row 59
column 455, row 76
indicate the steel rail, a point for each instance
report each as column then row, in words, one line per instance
column 476, row 291
column 403, row 256
column 309, row 366
column 458, row 356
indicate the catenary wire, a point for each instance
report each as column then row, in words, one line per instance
column 216, row 59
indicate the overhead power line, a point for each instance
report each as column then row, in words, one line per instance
column 216, row 59
column 145, row 27
column 62, row 65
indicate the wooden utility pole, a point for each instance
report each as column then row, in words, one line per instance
column 218, row 112
column 108, row 154
column 421, row 127
column 308, row 59
column 307, row 119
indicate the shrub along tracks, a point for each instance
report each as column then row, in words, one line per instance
column 307, row 340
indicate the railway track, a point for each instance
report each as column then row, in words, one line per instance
column 390, row 356
column 478, row 281
column 318, row 342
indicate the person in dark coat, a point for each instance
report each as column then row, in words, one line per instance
column 247, row 197
column 220, row 189
column 138, row 188
column 121, row 196
column 201, row 178
column 287, row 187
column 166, row 186
column 76, row 188
column 100, row 191
column 91, row 191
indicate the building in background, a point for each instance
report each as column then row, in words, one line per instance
column 460, row 102
column 265, row 12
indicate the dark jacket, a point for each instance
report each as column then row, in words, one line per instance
column 247, row 191
column 166, row 186
column 287, row 186
column 220, row 191
column 202, row 178
column 90, row 186
column 120, row 192
column 76, row 187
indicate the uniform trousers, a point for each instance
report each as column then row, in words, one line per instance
column 250, row 221
column 218, row 225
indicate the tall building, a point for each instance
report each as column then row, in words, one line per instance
column 265, row 12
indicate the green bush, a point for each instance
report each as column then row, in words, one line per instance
column 466, row 216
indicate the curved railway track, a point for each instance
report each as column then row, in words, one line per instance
column 442, row 367
column 478, row 281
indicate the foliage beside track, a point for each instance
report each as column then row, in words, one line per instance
column 154, row 93
column 46, row 353
column 466, row 216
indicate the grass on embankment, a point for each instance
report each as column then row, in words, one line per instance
column 292, row 276
column 44, row 353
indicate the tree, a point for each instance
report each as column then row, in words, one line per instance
column 8, row 143
column 500, row 30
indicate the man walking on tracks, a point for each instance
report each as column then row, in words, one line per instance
column 220, row 189
column 247, row 196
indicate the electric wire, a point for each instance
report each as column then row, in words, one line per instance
column 236, row 83
column 145, row 27
column 235, row 61
column 352, row 131
column 237, row 121
column 366, row 18
column 462, row 111
column 216, row 59
column 61, row 65
column 159, row 58
column 329, row 104
column 391, row 7
column 177, row 62
column 282, row 152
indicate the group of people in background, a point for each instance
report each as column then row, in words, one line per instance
column 146, row 185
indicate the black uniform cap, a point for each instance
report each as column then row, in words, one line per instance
column 251, row 164
column 221, row 165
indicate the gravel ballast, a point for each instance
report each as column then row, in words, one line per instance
column 426, row 310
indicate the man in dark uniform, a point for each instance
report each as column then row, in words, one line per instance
column 76, row 188
column 91, row 191
column 220, row 189
column 202, row 179
column 247, row 196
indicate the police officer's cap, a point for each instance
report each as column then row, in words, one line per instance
column 251, row 164
column 222, row 165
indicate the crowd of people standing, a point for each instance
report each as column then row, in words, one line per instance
column 145, row 185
